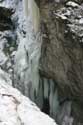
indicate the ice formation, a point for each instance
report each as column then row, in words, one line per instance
column 27, row 78
column 24, row 68
column 26, row 61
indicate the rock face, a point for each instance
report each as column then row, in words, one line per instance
column 5, row 19
column 12, row 25
column 15, row 109
column 55, row 82
column 62, row 51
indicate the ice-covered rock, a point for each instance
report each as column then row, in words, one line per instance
column 12, row 25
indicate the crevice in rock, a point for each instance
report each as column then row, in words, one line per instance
column 46, row 106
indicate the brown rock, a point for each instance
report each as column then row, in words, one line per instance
column 62, row 51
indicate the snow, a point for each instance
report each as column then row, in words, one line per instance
column 72, row 4
column 72, row 13
column 81, row 21
column 62, row 16
column 16, row 109
column 5, row 77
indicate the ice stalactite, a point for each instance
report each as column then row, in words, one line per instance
column 47, row 98
column 53, row 99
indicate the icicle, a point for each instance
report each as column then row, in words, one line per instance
column 55, row 103
column 40, row 98
column 46, row 88
column 53, row 99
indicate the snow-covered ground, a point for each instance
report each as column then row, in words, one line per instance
column 16, row 109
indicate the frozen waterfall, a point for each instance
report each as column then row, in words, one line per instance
column 43, row 91
column 27, row 57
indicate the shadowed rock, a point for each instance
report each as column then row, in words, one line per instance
column 5, row 19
